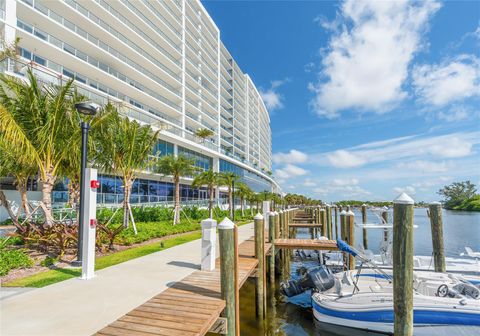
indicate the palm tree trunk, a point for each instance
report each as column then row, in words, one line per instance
column 230, row 201
column 4, row 202
column 73, row 193
column 47, row 187
column 127, row 190
column 177, row 200
column 21, row 185
column 241, row 206
column 251, row 208
column 210, row 203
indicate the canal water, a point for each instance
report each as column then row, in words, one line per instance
column 293, row 316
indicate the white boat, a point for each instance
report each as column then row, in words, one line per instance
column 443, row 303
column 365, row 301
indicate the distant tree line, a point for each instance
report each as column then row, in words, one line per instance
column 460, row 196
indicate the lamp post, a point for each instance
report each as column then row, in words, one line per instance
column 87, row 109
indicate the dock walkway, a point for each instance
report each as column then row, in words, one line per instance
column 188, row 307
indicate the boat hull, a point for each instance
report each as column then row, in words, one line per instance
column 381, row 319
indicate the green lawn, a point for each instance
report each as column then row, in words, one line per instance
column 53, row 276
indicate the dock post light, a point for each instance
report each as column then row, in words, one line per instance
column 86, row 109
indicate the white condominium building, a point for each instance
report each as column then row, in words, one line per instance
column 161, row 62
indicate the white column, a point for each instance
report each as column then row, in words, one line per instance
column 89, row 225
column 10, row 20
column 209, row 242
column 266, row 211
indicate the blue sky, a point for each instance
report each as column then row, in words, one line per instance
column 366, row 99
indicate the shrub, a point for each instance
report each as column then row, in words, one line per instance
column 12, row 259
column 48, row 261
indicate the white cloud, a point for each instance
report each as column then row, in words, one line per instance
column 294, row 156
column 345, row 191
column 272, row 98
column 367, row 59
column 455, row 147
column 410, row 190
column 456, row 113
column 290, row 171
column 425, row 166
column 405, row 149
column 309, row 183
column 344, row 159
column 345, row 182
column 441, row 84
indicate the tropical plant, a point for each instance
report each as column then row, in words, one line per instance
column 9, row 50
column 228, row 179
column 243, row 191
column 125, row 148
column 37, row 121
column 21, row 167
column 176, row 167
column 210, row 179
column 204, row 133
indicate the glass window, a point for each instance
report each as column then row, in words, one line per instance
column 41, row 34
column 68, row 48
column 39, row 60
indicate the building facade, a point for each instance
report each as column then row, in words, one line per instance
column 160, row 62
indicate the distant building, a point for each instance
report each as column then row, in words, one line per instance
column 161, row 62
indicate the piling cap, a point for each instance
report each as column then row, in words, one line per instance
column 226, row 224
column 280, row 212
column 328, row 205
column 435, row 203
column 364, row 205
column 350, row 213
column 343, row 212
column 271, row 213
column 403, row 198
column 258, row 216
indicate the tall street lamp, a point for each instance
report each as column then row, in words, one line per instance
column 87, row 109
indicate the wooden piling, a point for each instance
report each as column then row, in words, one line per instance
column 227, row 277
column 328, row 211
column 260, row 301
column 323, row 219
column 350, row 226
column 336, row 222
column 272, row 221
column 237, row 282
column 343, row 215
column 385, row 220
column 403, row 265
column 364, row 231
column 436, row 222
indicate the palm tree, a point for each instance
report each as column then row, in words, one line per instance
column 204, row 133
column 210, row 179
column 228, row 179
column 243, row 191
column 176, row 167
column 37, row 121
column 125, row 148
column 21, row 167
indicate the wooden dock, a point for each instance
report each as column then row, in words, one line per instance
column 189, row 307
column 304, row 225
column 306, row 244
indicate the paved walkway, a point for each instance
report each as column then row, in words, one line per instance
column 79, row 307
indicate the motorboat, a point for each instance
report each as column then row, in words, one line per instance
column 443, row 303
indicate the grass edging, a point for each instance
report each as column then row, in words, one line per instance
column 56, row 275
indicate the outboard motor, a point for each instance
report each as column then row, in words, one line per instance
column 319, row 278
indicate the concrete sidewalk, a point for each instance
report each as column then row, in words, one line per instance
column 79, row 307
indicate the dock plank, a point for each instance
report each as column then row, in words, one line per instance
column 188, row 307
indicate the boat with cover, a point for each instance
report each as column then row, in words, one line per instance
column 443, row 304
